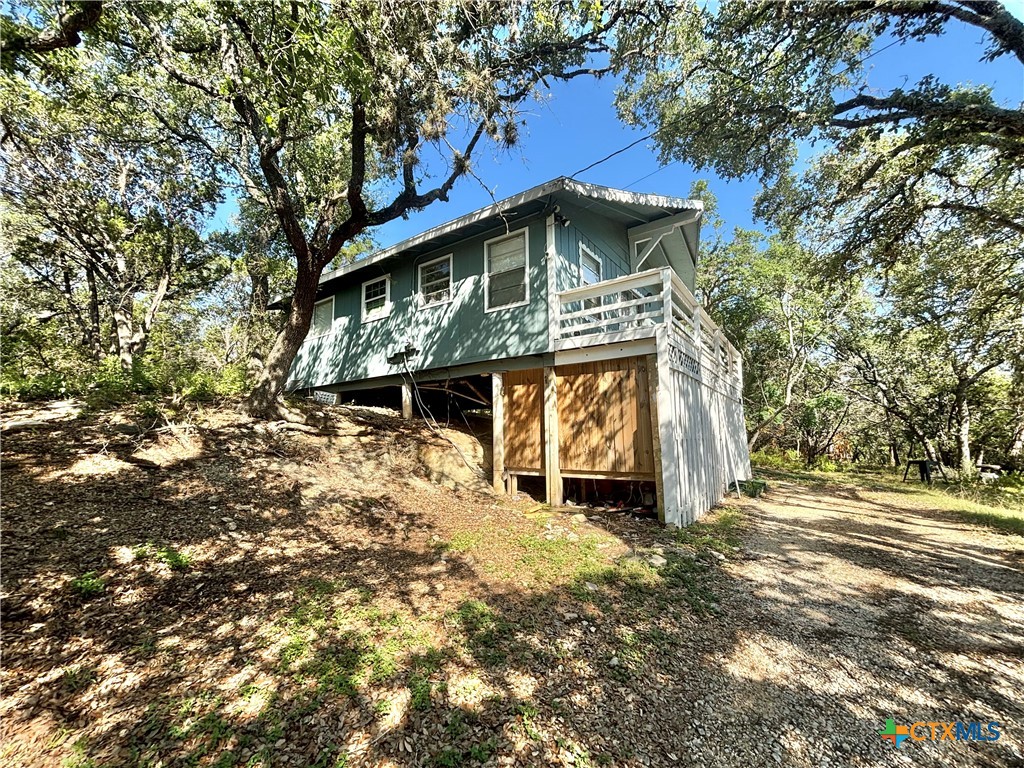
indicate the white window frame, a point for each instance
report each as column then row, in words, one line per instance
column 387, row 299
column 525, row 231
column 596, row 301
column 421, row 297
column 600, row 265
column 330, row 327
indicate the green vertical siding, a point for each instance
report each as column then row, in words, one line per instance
column 455, row 333
column 606, row 239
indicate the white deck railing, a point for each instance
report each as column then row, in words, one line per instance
column 634, row 307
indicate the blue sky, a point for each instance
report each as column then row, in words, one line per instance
column 578, row 125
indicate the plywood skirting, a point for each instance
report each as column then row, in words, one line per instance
column 523, row 406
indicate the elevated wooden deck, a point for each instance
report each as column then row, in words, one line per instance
column 644, row 306
column 644, row 386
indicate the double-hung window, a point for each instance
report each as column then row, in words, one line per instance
column 323, row 318
column 506, row 266
column 376, row 298
column 436, row 281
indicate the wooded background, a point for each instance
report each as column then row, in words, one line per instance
column 879, row 307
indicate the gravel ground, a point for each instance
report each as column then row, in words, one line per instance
column 852, row 607
column 271, row 599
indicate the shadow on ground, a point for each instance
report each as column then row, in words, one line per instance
column 287, row 601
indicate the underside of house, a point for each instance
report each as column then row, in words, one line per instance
column 617, row 381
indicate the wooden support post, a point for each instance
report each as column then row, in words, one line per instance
column 498, row 432
column 406, row 401
column 552, row 469
column 512, row 486
column 652, row 404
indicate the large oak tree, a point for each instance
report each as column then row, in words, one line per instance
column 339, row 117
column 742, row 87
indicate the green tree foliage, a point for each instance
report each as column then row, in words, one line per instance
column 342, row 117
column 102, row 215
column 765, row 292
column 924, row 356
column 740, row 87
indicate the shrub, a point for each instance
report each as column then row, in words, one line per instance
column 774, row 459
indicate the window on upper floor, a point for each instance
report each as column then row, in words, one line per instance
column 590, row 266
column 506, row 266
column 590, row 273
column 376, row 298
column 323, row 317
column 436, row 281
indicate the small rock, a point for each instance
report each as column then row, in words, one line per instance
column 614, row 662
column 579, row 517
column 590, row 585
column 657, row 561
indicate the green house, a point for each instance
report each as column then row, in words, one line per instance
column 569, row 310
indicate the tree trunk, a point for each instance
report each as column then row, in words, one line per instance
column 894, row 455
column 1017, row 443
column 929, row 449
column 140, row 338
column 963, row 434
column 264, row 400
column 95, row 330
column 123, row 326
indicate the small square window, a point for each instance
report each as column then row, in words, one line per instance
column 323, row 317
column 436, row 281
column 506, row 264
column 376, row 298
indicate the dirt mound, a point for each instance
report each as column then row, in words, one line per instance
column 455, row 460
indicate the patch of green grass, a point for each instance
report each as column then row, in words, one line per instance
column 463, row 541
column 528, row 712
column 383, row 659
column 482, row 752
column 1006, row 521
column 421, row 684
column 88, row 585
column 718, row 531
column 420, row 690
column 998, row 505
column 164, row 553
column 249, row 690
column 456, row 724
column 483, row 629
column 78, row 757
column 76, row 679
column 558, row 558
column 340, row 666
column 449, row 757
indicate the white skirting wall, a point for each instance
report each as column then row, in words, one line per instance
column 703, row 436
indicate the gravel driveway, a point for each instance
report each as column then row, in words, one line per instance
column 852, row 607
